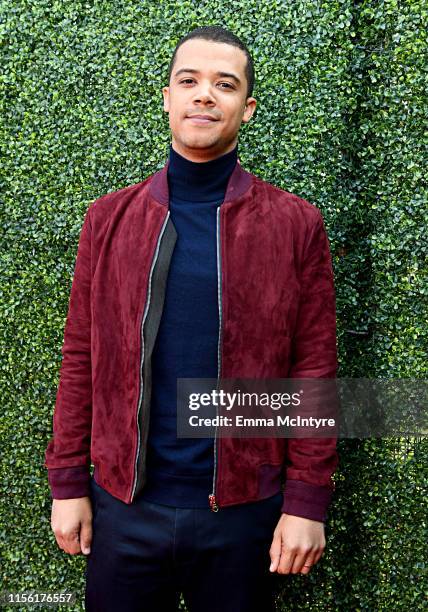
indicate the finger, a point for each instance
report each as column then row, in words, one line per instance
column 286, row 561
column 64, row 542
column 275, row 551
column 71, row 541
column 299, row 561
column 86, row 537
column 60, row 541
column 319, row 554
column 308, row 562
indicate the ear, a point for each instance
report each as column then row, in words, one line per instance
column 250, row 107
column 165, row 93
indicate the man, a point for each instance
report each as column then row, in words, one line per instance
column 202, row 270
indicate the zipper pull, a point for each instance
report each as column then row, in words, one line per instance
column 213, row 504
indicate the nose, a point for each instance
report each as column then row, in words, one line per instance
column 203, row 94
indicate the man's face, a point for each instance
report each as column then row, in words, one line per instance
column 202, row 90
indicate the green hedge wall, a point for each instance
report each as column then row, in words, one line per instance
column 341, row 91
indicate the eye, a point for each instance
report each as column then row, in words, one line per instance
column 222, row 83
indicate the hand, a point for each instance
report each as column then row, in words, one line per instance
column 298, row 543
column 71, row 523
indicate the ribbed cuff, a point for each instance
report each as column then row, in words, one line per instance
column 68, row 483
column 306, row 500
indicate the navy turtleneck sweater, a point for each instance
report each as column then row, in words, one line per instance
column 180, row 470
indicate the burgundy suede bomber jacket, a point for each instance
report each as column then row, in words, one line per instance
column 277, row 317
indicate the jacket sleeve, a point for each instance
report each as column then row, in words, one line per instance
column 310, row 462
column 67, row 456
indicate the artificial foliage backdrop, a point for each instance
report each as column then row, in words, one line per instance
column 341, row 92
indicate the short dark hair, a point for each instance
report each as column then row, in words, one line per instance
column 221, row 35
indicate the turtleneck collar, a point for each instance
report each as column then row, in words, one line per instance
column 199, row 181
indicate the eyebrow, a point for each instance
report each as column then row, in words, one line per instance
column 219, row 73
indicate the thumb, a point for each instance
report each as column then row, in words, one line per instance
column 275, row 551
column 86, row 537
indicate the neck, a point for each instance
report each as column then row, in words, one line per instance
column 199, row 181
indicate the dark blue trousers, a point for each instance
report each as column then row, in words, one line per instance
column 143, row 555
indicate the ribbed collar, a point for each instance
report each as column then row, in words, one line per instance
column 199, row 181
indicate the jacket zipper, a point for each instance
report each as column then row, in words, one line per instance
column 212, row 497
column 140, row 399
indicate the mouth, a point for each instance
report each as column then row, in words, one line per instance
column 201, row 119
